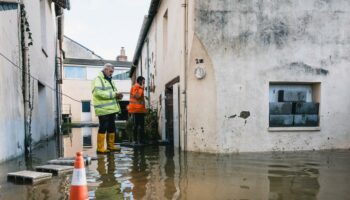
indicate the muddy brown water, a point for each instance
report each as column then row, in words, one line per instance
column 165, row 173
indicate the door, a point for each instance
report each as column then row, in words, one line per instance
column 169, row 114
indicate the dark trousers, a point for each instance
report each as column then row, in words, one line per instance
column 107, row 123
column 139, row 127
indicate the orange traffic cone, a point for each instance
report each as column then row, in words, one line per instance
column 78, row 188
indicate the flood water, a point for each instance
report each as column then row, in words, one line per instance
column 165, row 173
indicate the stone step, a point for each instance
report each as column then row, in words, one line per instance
column 68, row 161
column 28, row 177
column 54, row 169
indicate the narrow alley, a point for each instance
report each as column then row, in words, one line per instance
column 174, row 99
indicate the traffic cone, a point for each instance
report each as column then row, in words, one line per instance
column 78, row 188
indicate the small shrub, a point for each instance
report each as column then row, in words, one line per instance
column 151, row 126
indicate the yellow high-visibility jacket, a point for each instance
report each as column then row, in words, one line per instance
column 104, row 96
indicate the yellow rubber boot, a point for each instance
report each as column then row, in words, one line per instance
column 101, row 138
column 111, row 139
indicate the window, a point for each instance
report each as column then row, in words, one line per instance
column 71, row 72
column 122, row 76
column 294, row 105
column 85, row 106
column 92, row 72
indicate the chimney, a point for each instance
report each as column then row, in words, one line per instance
column 122, row 56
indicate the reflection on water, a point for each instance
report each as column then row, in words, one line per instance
column 302, row 184
column 87, row 137
column 165, row 173
column 55, row 188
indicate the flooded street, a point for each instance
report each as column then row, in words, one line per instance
column 164, row 173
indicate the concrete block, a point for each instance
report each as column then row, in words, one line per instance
column 281, row 108
column 305, row 120
column 68, row 161
column 281, row 120
column 306, row 108
column 28, row 177
column 294, row 96
column 54, row 169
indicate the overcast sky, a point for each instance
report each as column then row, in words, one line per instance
column 104, row 26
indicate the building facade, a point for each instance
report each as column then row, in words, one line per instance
column 30, row 60
column 81, row 66
column 248, row 76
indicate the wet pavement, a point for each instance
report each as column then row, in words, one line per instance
column 164, row 173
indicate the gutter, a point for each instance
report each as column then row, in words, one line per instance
column 153, row 9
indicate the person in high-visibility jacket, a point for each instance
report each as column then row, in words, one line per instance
column 137, row 109
column 105, row 100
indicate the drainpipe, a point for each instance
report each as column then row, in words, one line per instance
column 184, row 75
column 148, row 75
column 25, row 86
column 58, row 86
column 26, row 80
column 21, row 53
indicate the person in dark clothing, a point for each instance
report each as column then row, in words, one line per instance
column 137, row 109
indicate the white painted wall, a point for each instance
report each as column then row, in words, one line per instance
column 11, row 98
column 164, row 64
column 41, row 67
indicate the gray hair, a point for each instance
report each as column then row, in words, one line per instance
column 108, row 65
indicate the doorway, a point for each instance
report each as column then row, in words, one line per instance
column 172, row 112
column 169, row 113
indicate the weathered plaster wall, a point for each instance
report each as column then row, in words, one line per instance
column 11, row 98
column 201, row 100
column 41, row 66
column 165, row 63
column 165, row 60
column 252, row 43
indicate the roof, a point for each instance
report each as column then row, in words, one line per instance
column 74, row 49
column 96, row 62
column 147, row 22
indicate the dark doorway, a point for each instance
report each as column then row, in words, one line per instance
column 169, row 114
column 169, row 110
column 124, row 111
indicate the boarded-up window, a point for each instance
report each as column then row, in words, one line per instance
column 294, row 105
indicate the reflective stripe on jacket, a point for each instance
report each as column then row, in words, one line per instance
column 137, row 100
column 104, row 96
